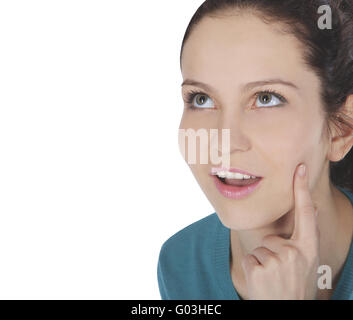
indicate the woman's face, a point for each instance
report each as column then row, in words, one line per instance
column 270, row 134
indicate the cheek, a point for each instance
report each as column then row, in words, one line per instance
column 195, row 119
column 287, row 145
column 290, row 139
column 194, row 136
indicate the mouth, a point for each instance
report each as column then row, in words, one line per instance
column 235, row 185
column 239, row 182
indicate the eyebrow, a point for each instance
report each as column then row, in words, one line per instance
column 245, row 87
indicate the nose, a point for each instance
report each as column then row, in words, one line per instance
column 238, row 138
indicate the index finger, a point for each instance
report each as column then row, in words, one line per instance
column 305, row 221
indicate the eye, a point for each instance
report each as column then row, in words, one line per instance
column 200, row 99
column 269, row 99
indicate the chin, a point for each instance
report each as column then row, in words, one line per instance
column 235, row 222
column 236, row 219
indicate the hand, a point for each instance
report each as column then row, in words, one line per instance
column 287, row 268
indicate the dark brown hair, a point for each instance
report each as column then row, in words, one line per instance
column 328, row 52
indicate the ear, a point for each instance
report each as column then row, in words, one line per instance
column 341, row 140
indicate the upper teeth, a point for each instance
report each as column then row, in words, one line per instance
column 233, row 175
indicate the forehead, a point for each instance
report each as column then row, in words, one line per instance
column 241, row 45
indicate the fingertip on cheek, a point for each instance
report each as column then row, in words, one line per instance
column 302, row 170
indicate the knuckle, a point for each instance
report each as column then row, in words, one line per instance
column 247, row 258
column 291, row 253
column 248, row 262
column 256, row 274
column 313, row 259
column 268, row 240
column 273, row 262
column 309, row 261
column 269, row 258
column 313, row 255
column 310, row 248
column 257, row 250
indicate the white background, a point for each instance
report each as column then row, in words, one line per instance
column 91, row 178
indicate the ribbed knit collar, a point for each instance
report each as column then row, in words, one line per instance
column 221, row 262
column 344, row 287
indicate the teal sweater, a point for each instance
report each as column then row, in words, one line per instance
column 194, row 263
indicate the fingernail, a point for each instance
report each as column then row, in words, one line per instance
column 301, row 170
column 316, row 212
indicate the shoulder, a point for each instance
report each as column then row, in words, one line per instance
column 186, row 260
column 196, row 235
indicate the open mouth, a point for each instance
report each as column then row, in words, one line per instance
column 239, row 182
column 235, row 185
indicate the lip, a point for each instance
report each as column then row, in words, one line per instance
column 215, row 170
column 234, row 192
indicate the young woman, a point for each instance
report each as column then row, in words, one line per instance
column 279, row 76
